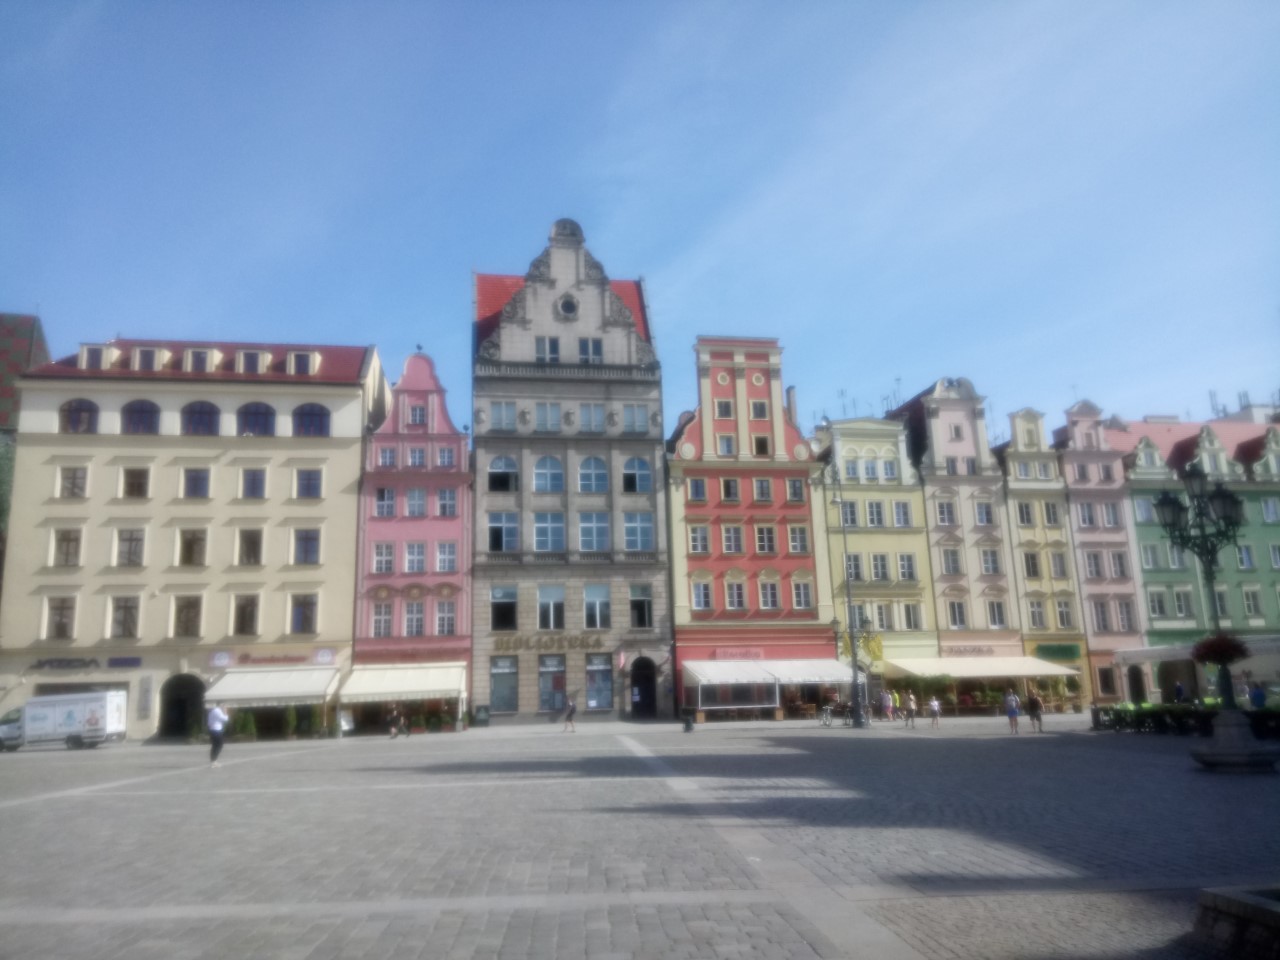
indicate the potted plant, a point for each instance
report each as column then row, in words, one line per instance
column 1221, row 649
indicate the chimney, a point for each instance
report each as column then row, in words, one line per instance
column 791, row 406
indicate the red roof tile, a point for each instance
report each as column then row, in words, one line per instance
column 494, row 290
column 1177, row 441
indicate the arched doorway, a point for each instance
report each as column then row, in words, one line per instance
column 1173, row 672
column 181, row 705
column 1137, row 685
column 644, row 689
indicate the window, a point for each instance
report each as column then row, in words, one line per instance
column 1036, row 610
column 906, row 566
column 306, row 547
column 502, row 608
column 1111, row 515
column 636, row 476
column 504, row 475
column 1124, row 615
column 253, row 483
column 551, row 692
column 593, row 531
column 901, row 513
column 130, row 547
column 1275, row 556
column 768, row 595
column 1051, row 514
column 591, row 417
column 995, row 614
column 1106, row 472
column 946, row 513
column 595, row 599
column 1220, row 603
column 798, row 538
column 546, row 349
column 635, row 418
column 382, row 619
column 1087, row 515
column 502, row 415
column 548, row 475
column 1182, row 607
column 256, row 420
column 983, row 513
column 310, row 484
column 301, row 364
column 415, row 624
column 735, row 596
column 446, row 457
column 697, row 489
column 1093, row 565
column 140, row 417
column 446, row 558
column 1101, row 617
column 546, row 417
column 1044, row 470
column 891, row 469
column 249, row 361
column 503, row 684
column 418, row 456
column 1023, row 469
column 590, row 350
column 415, row 558
column 548, row 532
column 1031, row 565
column 851, row 470
column 599, row 681
column 200, row 419
column 729, row 490
column 759, row 410
column 641, row 606
column 1271, row 509
column 724, row 445
column 124, row 618
column 763, row 490
column 869, row 468
column 795, row 490
column 250, row 548
column 78, row 416
column 990, row 562
column 732, row 536
column 699, row 539
column 637, row 531
column 724, row 409
column 1177, row 559
column 1082, row 472
column 1058, row 565
column 384, row 499
column 186, row 616
column 191, row 548
column 971, row 466
column 1107, row 681
column 702, row 596
column 593, row 476
column 1144, row 508
column 956, row 614
column 415, row 502
column 550, row 607
column 1252, row 602
column 1026, row 514
column 446, row 618
column 504, row 531
column 951, row 561
column 447, row 503
column 912, row 619
column 417, row 415
column 765, row 542
column 195, row 483
column 951, row 466
column 244, row 616
column 1065, row 619
column 879, row 566
column 853, row 567
column 1244, row 556
column 146, row 360
column 875, row 513
column 1119, row 564
column 66, row 548
column 801, row 595
column 1150, row 556
column 384, row 558
column 304, row 613
column 957, row 432
column 1156, row 604
column 849, row 513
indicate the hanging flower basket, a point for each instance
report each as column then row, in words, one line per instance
column 1220, row 648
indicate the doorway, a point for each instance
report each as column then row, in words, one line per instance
column 644, row 689
column 181, row 706
column 1137, row 685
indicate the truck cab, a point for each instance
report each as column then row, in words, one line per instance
column 11, row 730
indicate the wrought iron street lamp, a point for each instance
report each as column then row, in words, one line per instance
column 855, row 695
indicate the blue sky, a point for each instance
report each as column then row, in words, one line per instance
column 1057, row 200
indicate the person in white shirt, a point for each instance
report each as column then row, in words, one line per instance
column 217, row 723
column 935, row 711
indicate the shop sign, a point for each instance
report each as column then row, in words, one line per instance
column 738, row 653
column 66, row 663
column 1059, row 651
column 971, row 651
column 222, row 659
column 550, row 642
column 123, row 663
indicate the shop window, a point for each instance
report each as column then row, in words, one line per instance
column 599, row 681
column 504, row 677
column 551, row 686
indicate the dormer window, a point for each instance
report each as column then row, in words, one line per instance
column 252, row 361
column 302, row 364
column 198, row 361
column 91, row 358
column 145, row 359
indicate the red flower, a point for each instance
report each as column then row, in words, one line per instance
column 1220, row 648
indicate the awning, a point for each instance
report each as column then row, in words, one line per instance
column 964, row 668
column 811, row 671
column 416, row 681
column 766, row 671
column 1259, row 646
column 273, row 686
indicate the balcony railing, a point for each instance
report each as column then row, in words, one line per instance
column 651, row 373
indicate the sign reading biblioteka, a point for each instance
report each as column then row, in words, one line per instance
column 549, row 642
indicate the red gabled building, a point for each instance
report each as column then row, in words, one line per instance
column 751, row 594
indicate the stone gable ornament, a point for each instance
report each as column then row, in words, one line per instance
column 540, row 268
column 617, row 313
column 594, row 269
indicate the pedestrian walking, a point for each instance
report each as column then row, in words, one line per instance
column 910, row 719
column 935, row 711
column 568, row 718
column 886, row 704
column 897, row 704
column 217, row 724
column 1011, row 704
column 397, row 724
column 1035, row 711
column 1258, row 696
column 1178, row 692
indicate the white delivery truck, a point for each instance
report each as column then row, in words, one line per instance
column 76, row 719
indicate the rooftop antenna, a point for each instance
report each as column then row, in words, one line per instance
column 844, row 406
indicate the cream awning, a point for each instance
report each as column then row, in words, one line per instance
column 408, row 681
column 726, row 671
column 811, row 671
column 965, row 668
column 273, row 686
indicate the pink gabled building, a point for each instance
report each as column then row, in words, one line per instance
column 413, row 595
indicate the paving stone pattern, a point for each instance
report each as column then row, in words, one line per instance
column 622, row 841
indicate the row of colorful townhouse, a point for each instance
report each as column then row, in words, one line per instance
column 276, row 527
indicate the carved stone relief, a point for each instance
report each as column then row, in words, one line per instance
column 611, row 418
column 540, row 268
column 594, row 269
column 491, row 348
column 617, row 313
column 524, row 417
column 644, row 353
column 514, row 311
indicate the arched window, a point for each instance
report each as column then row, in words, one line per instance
column 593, row 476
column 311, row 420
column 78, row 416
column 548, row 476
column 636, row 476
column 504, row 475
column 200, row 419
column 256, row 420
column 140, row 416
